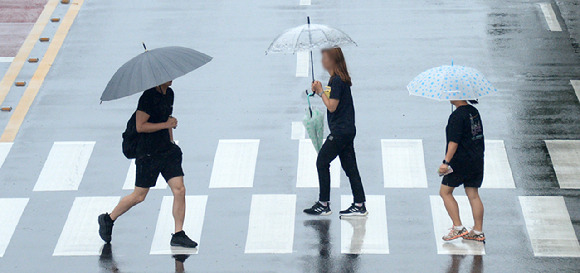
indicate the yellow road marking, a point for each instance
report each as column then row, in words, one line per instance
column 38, row 78
column 25, row 49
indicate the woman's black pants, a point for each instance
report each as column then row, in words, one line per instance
column 343, row 147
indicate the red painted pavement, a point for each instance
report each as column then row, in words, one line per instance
column 16, row 19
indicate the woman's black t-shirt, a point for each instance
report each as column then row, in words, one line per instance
column 466, row 129
column 159, row 107
column 341, row 121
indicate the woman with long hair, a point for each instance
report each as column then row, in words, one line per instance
column 337, row 98
column 463, row 165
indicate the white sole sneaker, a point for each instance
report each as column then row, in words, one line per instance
column 354, row 215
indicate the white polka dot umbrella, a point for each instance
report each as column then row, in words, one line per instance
column 451, row 82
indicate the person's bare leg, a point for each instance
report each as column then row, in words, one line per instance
column 476, row 207
column 450, row 203
column 136, row 197
column 178, row 189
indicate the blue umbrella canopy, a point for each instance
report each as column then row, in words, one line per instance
column 152, row 68
column 451, row 82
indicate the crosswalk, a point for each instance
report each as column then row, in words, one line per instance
column 547, row 221
column 272, row 231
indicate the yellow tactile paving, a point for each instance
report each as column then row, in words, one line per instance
column 26, row 48
column 38, row 78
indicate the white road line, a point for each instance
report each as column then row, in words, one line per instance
column 130, row 179
column 6, row 59
column 403, row 163
column 298, row 130
column 65, row 166
column 271, row 230
column 497, row 170
column 307, row 175
column 365, row 235
column 194, row 216
column 551, row 18
column 11, row 210
column 576, row 86
column 302, row 64
column 80, row 234
column 234, row 163
column 565, row 155
column 549, row 226
column 4, row 151
column 305, row 2
column 442, row 223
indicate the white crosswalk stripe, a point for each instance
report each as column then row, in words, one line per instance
column 576, row 86
column 11, row 210
column 565, row 155
column 193, row 224
column 497, row 170
column 550, row 16
column 307, row 176
column 271, row 230
column 80, row 234
column 234, row 163
column 298, row 130
column 403, row 163
column 549, row 226
column 65, row 166
column 5, row 148
column 442, row 222
column 365, row 235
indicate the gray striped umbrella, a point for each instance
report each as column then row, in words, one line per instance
column 152, row 68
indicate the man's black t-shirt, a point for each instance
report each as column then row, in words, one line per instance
column 341, row 121
column 465, row 128
column 159, row 107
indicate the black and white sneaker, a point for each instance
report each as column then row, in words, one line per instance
column 180, row 239
column 319, row 209
column 354, row 211
column 105, row 227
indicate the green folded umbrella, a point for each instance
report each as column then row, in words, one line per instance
column 314, row 123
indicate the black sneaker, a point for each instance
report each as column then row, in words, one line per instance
column 105, row 227
column 180, row 239
column 354, row 210
column 319, row 209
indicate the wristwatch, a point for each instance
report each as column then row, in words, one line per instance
column 446, row 162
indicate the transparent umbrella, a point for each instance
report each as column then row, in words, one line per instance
column 309, row 37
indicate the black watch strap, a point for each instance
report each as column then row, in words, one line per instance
column 445, row 162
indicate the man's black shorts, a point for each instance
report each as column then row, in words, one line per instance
column 149, row 167
column 470, row 180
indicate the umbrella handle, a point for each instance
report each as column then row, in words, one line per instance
column 308, row 99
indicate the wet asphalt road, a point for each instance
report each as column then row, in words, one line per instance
column 244, row 94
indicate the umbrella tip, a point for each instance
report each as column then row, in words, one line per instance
column 308, row 19
column 144, row 46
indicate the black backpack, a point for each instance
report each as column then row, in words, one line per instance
column 131, row 138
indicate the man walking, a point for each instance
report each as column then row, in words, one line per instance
column 156, row 154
